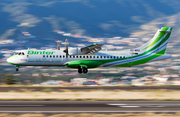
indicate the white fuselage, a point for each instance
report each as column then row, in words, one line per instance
column 58, row 57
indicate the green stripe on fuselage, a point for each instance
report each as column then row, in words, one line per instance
column 141, row 61
column 97, row 63
column 91, row 63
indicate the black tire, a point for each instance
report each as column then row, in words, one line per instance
column 17, row 69
column 79, row 70
column 85, row 70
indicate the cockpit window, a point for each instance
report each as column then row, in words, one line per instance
column 19, row 53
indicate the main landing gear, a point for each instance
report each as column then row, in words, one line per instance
column 82, row 69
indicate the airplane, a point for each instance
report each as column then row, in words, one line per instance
column 93, row 56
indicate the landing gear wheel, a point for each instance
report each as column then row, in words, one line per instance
column 17, row 69
column 80, row 70
column 85, row 70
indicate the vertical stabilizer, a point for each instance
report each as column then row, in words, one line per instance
column 159, row 42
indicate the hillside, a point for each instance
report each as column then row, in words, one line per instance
column 102, row 18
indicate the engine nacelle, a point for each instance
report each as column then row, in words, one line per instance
column 75, row 51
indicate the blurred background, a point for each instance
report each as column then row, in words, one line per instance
column 119, row 24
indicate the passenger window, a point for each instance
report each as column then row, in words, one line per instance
column 83, row 56
column 104, row 56
column 120, row 57
column 117, row 57
column 107, row 56
column 50, row 56
column 22, row 53
column 19, row 53
column 76, row 56
column 73, row 56
column 97, row 56
column 56, row 56
column 111, row 56
column 79, row 56
column 87, row 56
column 53, row 56
column 63, row 56
column 114, row 56
column 69, row 56
column 60, row 56
column 47, row 56
column 90, row 56
column 94, row 56
column 124, row 57
column 101, row 56
column 43, row 56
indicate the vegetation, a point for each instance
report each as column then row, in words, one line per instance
column 47, row 90
column 8, row 79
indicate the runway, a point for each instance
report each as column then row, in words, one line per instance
column 89, row 106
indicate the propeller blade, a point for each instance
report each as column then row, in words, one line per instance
column 58, row 44
column 67, row 53
column 66, row 42
column 66, row 46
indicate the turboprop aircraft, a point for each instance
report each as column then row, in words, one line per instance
column 92, row 56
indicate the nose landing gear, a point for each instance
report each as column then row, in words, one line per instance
column 17, row 68
column 82, row 69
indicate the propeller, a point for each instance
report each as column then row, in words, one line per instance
column 58, row 44
column 66, row 50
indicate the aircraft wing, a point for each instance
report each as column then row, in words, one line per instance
column 91, row 48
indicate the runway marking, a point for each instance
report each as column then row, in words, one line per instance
column 130, row 106
column 20, row 105
column 144, row 105
column 116, row 104
column 158, row 106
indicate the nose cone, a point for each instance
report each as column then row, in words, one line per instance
column 10, row 60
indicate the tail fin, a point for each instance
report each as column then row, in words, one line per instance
column 158, row 42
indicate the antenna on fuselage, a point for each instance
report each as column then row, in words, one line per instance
column 58, row 44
